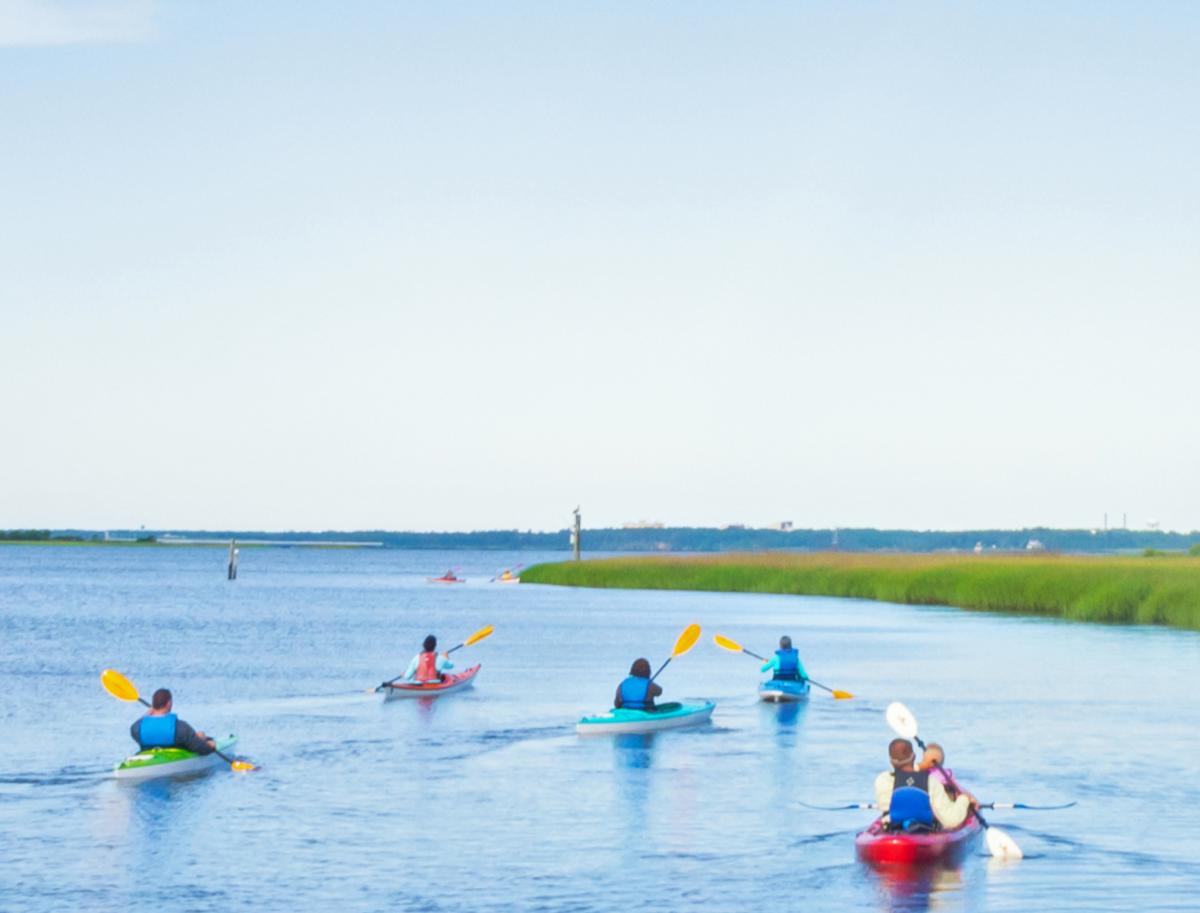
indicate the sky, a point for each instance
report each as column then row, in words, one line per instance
column 463, row 265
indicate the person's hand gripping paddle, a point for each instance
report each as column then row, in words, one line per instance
column 904, row 724
column 734, row 647
column 123, row 689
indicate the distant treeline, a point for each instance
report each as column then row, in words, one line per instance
column 698, row 539
column 36, row 535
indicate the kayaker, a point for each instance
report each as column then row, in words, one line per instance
column 160, row 728
column 912, row 799
column 428, row 666
column 785, row 663
column 933, row 759
column 637, row 692
column 449, row 575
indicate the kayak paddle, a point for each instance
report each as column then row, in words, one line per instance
column 686, row 641
column 1040, row 808
column 473, row 639
column 123, row 689
column 734, row 647
column 904, row 724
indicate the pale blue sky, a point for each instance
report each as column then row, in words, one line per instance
column 459, row 265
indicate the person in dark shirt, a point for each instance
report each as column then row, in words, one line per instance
column 160, row 728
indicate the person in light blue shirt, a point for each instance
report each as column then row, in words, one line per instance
column 428, row 665
column 785, row 664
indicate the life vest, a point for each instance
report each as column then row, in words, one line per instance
column 157, row 731
column 635, row 693
column 789, row 665
column 910, row 806
column 427, row 667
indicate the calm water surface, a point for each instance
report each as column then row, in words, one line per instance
column 487, row 800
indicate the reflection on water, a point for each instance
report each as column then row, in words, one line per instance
column 913, row 890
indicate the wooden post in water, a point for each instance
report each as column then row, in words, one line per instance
column 233, row 553
column 575, row 543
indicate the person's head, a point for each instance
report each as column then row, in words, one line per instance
column 900, row 753
column 161, row 699
column 430, row 644
column 933, row 756
column 785, row 643
column 640, row 668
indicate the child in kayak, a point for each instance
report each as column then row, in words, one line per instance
column 637, row 692
column 160, row 728
column 785, row 664
column 933, row 759
column 427, row 666
column 913, row 800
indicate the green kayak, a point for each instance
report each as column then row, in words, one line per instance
column 666, row 716
column 170, row 762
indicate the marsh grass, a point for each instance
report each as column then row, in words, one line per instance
column 1127, row 590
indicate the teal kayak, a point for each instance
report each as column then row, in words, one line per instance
column 151, row 763
column 665, row 716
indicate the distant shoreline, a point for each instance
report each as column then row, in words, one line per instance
column 1154, row 590
column 651, row 538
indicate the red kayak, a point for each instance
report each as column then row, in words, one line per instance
column 875, row 846
column 446, row 579
column 431, row 689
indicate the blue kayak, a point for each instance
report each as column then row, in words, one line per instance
column 780, row 690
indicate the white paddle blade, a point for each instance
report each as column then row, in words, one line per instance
column 1001, row 845
column 902, row 722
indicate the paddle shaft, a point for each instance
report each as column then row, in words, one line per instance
column 660, row 668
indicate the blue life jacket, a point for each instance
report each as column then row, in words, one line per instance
column 635, row 693
column 157, row 731
column 789, row 665
column 910, row 806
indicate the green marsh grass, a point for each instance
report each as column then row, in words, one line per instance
column 1160, row 590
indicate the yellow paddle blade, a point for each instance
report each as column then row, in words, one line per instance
column 724, row 642
column 118, row 685
column 841, row 695
column 241, row 765
column 687, row 640
column 478, row 636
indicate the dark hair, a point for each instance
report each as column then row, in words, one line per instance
column 640, row 668
column 161, row 698
column 430, row 643
column 785, row 643
column 900, row 751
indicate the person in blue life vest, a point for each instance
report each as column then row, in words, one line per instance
column 912, row 800
column 428, row 666
column 637, row 692
column 785, row 664
column 161, row 728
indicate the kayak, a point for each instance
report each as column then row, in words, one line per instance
column 508, row 579
column 446, row 579
column 666, row 716
column 151, row 763
column 399, row 690
column 780, row 690
column 875, row 846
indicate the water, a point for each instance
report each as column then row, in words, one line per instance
column 488, row 800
